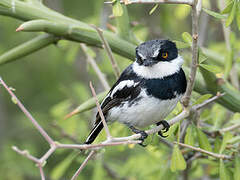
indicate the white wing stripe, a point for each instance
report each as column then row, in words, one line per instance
column 121, row 85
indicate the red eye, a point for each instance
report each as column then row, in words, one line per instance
column 165, row 55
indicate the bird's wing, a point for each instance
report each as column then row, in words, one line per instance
column 123, row 91
column 126, row 88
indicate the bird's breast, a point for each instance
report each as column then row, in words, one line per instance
column 143, row 111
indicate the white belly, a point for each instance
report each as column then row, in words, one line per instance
column 146, row 111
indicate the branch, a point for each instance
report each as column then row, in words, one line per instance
column 83, row 165
column 196, row 10
column 108, row 50
column 94, row 65
column 199, row 106
column 230, row 128
column 26, row 154
column 27, row 113
column 219, row 156
column 100, row 112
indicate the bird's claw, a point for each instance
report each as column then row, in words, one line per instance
column 166, row 127
column 144, row 135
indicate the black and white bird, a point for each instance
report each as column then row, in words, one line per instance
column 147, row 90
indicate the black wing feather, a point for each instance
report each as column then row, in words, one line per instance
column 118, row 97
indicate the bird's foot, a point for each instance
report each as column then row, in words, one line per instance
column 144, row 135
column 166, row 127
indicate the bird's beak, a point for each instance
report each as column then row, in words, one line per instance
column 149, row 62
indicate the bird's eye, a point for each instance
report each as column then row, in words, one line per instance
column 165, row 55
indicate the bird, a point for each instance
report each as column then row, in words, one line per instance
column 146, row 91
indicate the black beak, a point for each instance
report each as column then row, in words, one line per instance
column 149, row 62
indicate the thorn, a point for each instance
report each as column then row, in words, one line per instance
column 19, row 29
column 69, row 115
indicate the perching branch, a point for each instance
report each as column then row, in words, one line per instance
column 219, row 156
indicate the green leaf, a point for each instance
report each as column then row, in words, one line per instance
column 202, row 99
column 223, row 172
column 214, row 14
column 236, row 173
column 181, row 45
column 227, row 136
column 178, row 162
column 187, row 38
column 189, row 137
column 60, row 169
column 228, row 8
column 201, row 56
column 211, row 68
column 117, row 8
column 153, row 9
column 231, row 15
column 217, row 145
column 238, row 16
column 203, row 140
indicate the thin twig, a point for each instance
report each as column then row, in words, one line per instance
column 94, row 65
column 41, row 172
column 83, row 165
column 184, row 126
column 199, row 106
column 109, row 51
column 195, row 156
column 230, row 128
column 219, row 156
column 28, row 114
column 26, row 154
column 196, row 10
column 100, row 112
column 97, row 146
column 189, row 2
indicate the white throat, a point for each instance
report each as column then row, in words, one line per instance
column 159, row 70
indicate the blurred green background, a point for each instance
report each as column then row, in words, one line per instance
column 54, row 80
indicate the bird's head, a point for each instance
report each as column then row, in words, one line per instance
column 155, row 51
column 157, row 59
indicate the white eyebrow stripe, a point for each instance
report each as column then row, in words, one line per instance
column 122, row 84
column 155, row 54
column 142, row 57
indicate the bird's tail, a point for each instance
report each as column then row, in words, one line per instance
column 94, row 133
